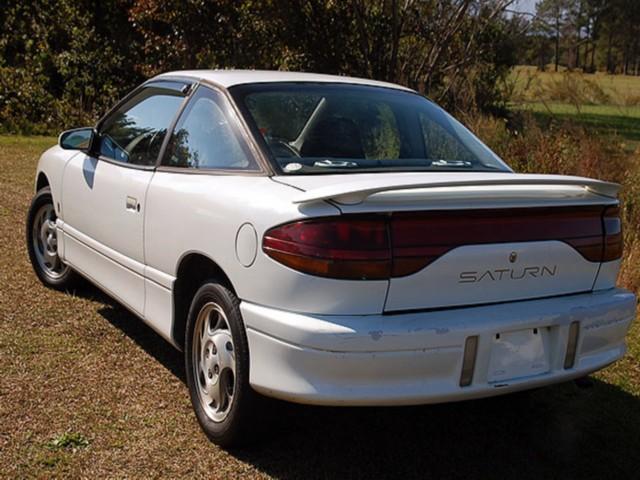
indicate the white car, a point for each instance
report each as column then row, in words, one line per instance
column 329, row 240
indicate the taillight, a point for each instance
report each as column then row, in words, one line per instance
column 352, row 248
column 612, row 234
column 420, row 238
column 417, row 241
column 377, row 247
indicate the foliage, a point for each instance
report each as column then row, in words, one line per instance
column 68, row 441
column 585, row 34
column 64, row 62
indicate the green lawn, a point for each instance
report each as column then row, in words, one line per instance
column 608, row 104
column 87, row 390
column 620, row 122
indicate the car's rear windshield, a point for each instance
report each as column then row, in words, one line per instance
column 342, row 128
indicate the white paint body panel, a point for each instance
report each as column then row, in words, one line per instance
column 416, row 358
column 229, row 78
column 117, row 280
column 607, row 275
column 326, row 341
column 448, row 281
column 52, row 164
column 103, row 235
column 210, row 211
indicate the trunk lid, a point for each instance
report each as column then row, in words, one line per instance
column 465, row 257
column 474, row 238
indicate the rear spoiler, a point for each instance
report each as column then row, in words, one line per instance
column 353, row 193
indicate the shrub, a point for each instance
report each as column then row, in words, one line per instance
column 631, row 100
column 25, row 105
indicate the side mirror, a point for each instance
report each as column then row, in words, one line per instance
column 77, row 139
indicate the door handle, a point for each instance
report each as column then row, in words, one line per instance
column 132, row 204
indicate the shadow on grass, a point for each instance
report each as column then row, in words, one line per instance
column 143, row 335
column 625, row 126
column 557, row 432
column 560, row 431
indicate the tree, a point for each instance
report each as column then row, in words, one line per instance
column 552, row 16
column 62, row 62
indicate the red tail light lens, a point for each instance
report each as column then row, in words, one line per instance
column 612, row 234
column 352, row 248
column 417, row 241
column 419, row 238
column 376, row 247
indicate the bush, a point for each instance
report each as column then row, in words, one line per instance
column 25, row 105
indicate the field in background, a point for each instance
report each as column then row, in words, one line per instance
column 87, row 390
column 608, row 104
column 617, row 86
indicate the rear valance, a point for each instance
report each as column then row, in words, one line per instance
column 353, row 193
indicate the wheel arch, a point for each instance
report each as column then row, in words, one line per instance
column 42, row 181
column 193, row 269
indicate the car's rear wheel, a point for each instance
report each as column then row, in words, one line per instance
column 42, row 244
column 217, row 366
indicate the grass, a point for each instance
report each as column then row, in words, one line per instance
column 607, row 104
column 87, row 390
column 614, row 85
column 68, row 441
column 611, row 120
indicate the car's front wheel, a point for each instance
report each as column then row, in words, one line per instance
column 42, row 244
column 217, row 366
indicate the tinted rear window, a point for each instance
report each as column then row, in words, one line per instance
column 340, row 128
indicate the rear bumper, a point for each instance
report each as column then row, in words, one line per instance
column 417, row 358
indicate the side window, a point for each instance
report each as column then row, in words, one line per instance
column 204, row 137
column 134, row 133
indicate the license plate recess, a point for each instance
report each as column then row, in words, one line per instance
column 518, row 354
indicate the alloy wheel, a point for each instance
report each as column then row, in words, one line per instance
column 214, row 362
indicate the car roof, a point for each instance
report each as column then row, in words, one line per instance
column 229, row 78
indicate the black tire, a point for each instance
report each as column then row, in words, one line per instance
column 62, row 279
column 242, row 413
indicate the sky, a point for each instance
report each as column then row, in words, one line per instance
column 525, row 6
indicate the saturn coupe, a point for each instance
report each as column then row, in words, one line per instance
column 332, row 241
